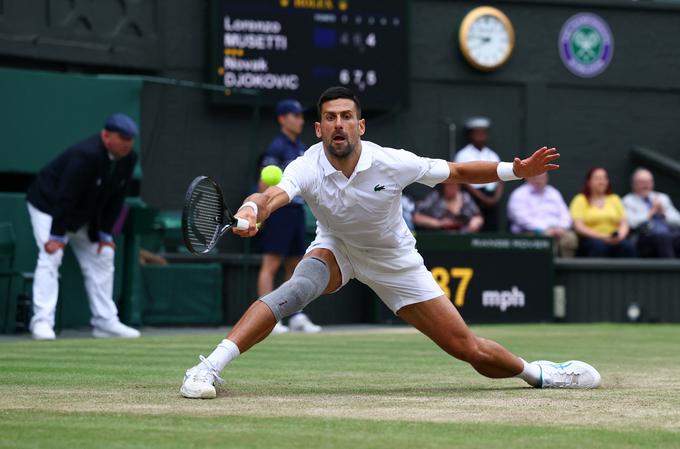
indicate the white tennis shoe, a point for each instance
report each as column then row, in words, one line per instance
column 301, row 323
column 114, row 329
column 571, row 374
column 41, row 330
column 280, row 328
column 200, row 380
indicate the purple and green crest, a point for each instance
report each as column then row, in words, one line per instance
column 586, row 45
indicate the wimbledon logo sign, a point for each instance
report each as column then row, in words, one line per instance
column 586, row 45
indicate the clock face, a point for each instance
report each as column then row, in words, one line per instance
column 488, row 41
column 487, row 38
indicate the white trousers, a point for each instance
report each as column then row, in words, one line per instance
column 97, row 271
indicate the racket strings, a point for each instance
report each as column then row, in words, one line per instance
column 205, row 217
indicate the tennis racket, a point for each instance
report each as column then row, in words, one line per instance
column 205, row 218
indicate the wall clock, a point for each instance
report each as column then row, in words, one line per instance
column 486, row 38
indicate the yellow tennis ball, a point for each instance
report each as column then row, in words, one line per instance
column 271, row 175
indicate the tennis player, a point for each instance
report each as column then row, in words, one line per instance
column 354, row 189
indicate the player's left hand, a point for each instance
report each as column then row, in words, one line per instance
column 102, row 244
column 536, row 164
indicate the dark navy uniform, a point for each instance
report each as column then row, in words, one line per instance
column 284, row 231
column 83, row 186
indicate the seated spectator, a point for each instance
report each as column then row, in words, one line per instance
column 539, row 209
column 600, row 219
column 448, row 208
column 653, row 218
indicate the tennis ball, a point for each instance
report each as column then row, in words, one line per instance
column 271, row 175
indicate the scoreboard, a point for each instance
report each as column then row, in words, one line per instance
column 268, row 50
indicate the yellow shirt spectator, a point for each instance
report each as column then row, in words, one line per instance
column 605, row 219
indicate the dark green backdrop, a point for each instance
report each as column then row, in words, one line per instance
column 532, row 101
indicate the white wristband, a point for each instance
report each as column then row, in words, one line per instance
column 249, row 204
column 505, row 172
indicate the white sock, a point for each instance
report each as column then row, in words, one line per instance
column 224, row 353
column 531, row 374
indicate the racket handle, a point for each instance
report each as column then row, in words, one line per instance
column 242, row 223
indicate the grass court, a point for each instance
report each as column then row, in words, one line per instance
column 361, row 389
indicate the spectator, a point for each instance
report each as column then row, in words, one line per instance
column 451, row 210
column 282, row 239
column 653, row 218
column 538, row 208
column 76, row 199
column 486, row 195
column 600, row 219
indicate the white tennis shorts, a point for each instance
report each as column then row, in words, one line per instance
column 397, row 275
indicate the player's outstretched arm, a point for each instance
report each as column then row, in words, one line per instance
column 265, row 204
column 482, row 172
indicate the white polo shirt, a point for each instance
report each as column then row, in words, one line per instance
column 470, row 153
column 363, row 211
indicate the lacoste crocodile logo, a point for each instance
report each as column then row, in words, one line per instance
column 378, row 188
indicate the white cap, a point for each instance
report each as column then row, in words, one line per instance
column 477, row 122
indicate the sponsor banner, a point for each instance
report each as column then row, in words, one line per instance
column 496, row 280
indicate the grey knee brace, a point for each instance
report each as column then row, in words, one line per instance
column 309, row 280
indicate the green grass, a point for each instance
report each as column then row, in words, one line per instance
column 341, row 390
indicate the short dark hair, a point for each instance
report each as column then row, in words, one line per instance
column 337, row 92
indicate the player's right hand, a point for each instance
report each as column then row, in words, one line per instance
column 52, row 246
column 539, row 162
column 246, row 213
